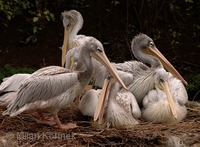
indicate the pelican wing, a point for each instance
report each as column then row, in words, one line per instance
column 135, row 109
column 178, row 90
column 129, row 102
column 133, row 67
column 43, row 84
column 88, row 103
column 13, row 83
column 102, row 73
column 126, row 77
column 9, row 88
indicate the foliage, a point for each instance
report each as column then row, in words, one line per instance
column 147, row 16
column 7, row 71
column 194, row 82
column 14, row 7
column 34, row 12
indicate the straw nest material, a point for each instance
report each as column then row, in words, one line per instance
column 24, row 130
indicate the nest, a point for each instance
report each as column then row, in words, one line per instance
column 24, row 130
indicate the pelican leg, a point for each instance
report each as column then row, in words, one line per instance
column 63, row 126
column 45, row 119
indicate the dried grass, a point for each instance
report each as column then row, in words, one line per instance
column 23, row 130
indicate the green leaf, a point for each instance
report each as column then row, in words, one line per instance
column 35, row 19
column 9, row 17
column 35, row 30
column 48, row 18
column 189, row 1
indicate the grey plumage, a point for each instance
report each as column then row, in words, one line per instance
column 53, row 88
column 9, row 88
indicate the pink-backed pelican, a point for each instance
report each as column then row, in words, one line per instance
column 142, row 80
column 156, row 107
column 121, row 107
column 9, row 87
column 72, row 23
column 8, row 92
column 53, row 88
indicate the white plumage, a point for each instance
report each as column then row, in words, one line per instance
column 72, row 23
column 53, row 88
column 156, row 106
column 88, row 102
column 143, row 77
column 122, row 109
column 9, row 88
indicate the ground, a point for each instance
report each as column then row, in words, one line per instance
column 23, row 130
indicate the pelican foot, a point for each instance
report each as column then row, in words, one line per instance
column 67, row 126
column 48, row 118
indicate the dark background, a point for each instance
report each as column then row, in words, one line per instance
column 174, row 26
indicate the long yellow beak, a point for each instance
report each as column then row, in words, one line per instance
column 101, row 57
column 101, row 103
column 65, row 48
column 172, row 105
column 166, row 63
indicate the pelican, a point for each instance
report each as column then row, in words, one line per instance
column 143, row 79
column 122, row 109
column 52, row 88
column 71, row 59
column 8, row 92
column 88, row 102
column 9, row 87
column 142, row 82
column 72, row 23
column 156, row 105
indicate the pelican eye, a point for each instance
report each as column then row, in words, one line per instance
column 99, row 49
column 67, row 25
column 151, row 44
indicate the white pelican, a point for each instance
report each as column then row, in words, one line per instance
column 122, row 109
column 72, row 23
column 145, row 82
column 88, row 102
column 142, row 82
column 143, row 79
column 156, row 105
column 71, row 59
column 52, row 88
column 8, row 92
column 9, row 87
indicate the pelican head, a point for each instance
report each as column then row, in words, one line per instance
column 161, row 82
column 145, row 50
column 69, row 19
column 95, row 49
